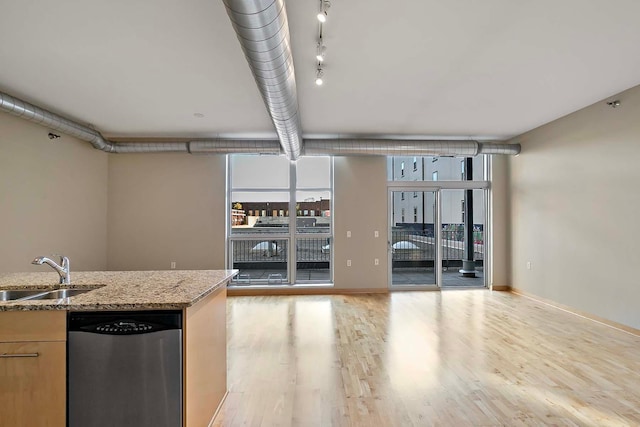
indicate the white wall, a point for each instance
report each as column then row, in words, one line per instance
column 53, row 198
column 166, row 207
column 575, row 204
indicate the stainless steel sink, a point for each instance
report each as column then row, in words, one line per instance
column 42, row 294
column 59, row 294
column 16, row 294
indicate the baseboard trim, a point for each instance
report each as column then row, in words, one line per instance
column 576, row 312
column 501, row 288
column 242, row 292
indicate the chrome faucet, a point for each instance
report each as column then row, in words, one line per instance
column 63, row 269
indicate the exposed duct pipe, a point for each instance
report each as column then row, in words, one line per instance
column 404, row 147
column 239, row 146
column 30, row 112
column 312, row 147
column 493, row 148
column 50, row 120
column 263, row 31
column 202, row 146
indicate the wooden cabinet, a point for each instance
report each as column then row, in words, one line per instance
column 205, row 358
column 33, row 368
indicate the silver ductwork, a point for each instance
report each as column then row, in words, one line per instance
column 263, row 31
column 35, row 114
column 204, row 146
column 493, row 148
column 149, row 147
column 239, row 146
column 53, row 121
column 312, row 147
column 403, row 147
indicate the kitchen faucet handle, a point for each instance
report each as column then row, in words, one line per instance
column 64, row 261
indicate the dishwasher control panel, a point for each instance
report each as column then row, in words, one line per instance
column 124, row 327
column 125, row 323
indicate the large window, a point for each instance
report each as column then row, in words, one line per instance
column 264, row 243
column 433, row 169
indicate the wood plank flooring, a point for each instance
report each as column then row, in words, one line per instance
column 451, row 358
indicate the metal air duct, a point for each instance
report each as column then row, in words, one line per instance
column 38, row 115
column 403, row 147
column 30, row 112
column 263, row 31
column 312, row 147
column 226, row 146
column 204, row 146
column 493, row 148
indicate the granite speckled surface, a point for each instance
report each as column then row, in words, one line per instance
column 118, row 290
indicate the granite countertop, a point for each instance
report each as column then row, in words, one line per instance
column 118, row 290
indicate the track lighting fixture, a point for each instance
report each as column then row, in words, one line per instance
column 320, row 47
column 319, row 74
column 614, row 104
column 324, row 7
column 53, row 136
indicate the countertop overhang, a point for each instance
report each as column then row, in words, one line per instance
column 119, row 290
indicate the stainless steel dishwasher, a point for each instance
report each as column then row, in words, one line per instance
column 125, row 369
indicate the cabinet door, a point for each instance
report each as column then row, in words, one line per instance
column 33, row 383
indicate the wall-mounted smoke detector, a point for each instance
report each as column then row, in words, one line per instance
column 614, row 104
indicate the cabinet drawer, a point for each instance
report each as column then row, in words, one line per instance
column 33, row 383
column 33, row 326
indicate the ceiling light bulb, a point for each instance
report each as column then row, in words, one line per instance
column 319, row 75
column 324, row 6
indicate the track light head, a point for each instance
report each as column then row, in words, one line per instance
column 319, row 74
column 53, row 136
column 324, row 7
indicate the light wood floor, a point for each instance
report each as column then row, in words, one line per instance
column 452, row 358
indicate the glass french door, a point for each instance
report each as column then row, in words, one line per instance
column 414, row 230
column 437, row 238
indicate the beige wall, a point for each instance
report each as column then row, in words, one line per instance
column 575, row 204
column 170, row 207
column 53, row 198
column 166, row 207
column 500, row 218
column 142, row 211
column 360, row 192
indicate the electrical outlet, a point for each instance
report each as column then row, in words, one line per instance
column 376, row 234
column 173, row 265
column 528, row 265
column 348, row 234
column 348, row 263
column 376, row 261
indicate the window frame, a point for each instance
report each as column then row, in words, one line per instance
column 291, row 234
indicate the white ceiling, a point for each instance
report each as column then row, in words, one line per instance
column 489, row 69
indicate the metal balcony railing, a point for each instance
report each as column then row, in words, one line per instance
column 413, row 245
column 259, row 251
column 307, row 249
